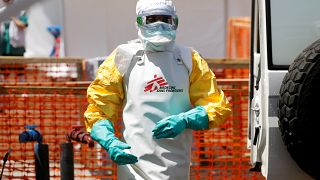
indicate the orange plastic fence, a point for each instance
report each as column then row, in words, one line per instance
column 15, row 69
column 55, row 105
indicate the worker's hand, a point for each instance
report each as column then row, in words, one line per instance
column 117, row 154
column 169, row 127
column 103, row 132
column 196, row 119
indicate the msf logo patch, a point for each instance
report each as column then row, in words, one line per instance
column 155, row 84
column 159, row 84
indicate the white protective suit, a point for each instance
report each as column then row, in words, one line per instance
column 150, row 86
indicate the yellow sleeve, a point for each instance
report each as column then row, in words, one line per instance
column 205, row 92
column 105, row 94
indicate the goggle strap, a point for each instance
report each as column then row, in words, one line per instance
column 139, row 21
column 175, row 20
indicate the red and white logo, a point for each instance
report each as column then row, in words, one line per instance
column 155, row 84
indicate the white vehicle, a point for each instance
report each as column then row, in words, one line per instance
column 285, row 89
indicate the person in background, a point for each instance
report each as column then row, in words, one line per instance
column 164, row 91
column 55, row 31
column 13, row 36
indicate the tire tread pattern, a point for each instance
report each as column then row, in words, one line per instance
column 295, row 86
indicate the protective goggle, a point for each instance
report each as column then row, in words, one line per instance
column 144, row 20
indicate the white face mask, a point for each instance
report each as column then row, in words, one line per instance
column 158, row 36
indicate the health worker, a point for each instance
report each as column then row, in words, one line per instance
column 164, row 91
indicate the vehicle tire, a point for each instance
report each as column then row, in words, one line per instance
column 299, row 110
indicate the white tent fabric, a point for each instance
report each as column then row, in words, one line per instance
column 201, row 25
column 94, row 28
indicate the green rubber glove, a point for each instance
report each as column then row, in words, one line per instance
column 103, row 132
column 170, row 127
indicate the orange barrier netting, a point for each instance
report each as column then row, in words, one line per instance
column 221, row 153
column 55, row 106
column 231, row 73
column 15, row 69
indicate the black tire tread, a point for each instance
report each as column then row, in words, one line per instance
column 294, row 95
